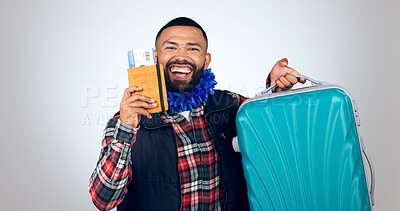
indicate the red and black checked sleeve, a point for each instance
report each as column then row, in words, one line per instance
column 113, row 172
column 239, row 98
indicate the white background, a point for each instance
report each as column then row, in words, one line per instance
column 53, row 54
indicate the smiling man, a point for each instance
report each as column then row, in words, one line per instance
column 182, row 159
column 183, row 51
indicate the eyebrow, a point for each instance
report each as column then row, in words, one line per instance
column 195, row 44
column 170, row 42
column 188, row 44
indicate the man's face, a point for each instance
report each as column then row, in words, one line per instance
column 182, row 50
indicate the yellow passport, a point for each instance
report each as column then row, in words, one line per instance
column 151, row 79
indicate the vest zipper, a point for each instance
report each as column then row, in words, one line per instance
column 216, row 151
column 179, row 174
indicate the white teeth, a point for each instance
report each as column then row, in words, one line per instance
column 180, row 70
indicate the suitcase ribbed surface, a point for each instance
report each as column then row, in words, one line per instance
column 301, row 152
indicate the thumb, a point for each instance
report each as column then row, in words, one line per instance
column 283, row 62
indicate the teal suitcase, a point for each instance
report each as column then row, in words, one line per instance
column 301, row 150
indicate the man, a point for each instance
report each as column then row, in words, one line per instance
column 182, row 159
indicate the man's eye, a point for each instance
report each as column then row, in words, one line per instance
column 194, row 49
column 169, row 48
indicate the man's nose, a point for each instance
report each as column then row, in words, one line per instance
column 181, row 54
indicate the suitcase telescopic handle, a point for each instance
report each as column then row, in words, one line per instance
column 313, row 83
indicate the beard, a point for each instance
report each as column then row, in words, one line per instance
column 181, row 86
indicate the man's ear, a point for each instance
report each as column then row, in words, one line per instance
column 208, row 60
column 155, row 55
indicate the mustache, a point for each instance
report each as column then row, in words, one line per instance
column 181, row 63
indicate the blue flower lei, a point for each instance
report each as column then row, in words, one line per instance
column 192, row 99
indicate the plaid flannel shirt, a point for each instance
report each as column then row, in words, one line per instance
column 201, row 188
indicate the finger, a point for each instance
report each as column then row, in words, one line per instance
column 141, row 104
column 285, row 82
column 280, row 84
column 291, row 79
column 128, row 91
column 143, row 112
column 132, row 89
column 292, row 71
column 277, row 89
column 139, row 97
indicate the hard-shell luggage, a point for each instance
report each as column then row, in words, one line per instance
column 301, row 150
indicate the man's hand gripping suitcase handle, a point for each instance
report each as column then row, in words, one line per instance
column 313, row 83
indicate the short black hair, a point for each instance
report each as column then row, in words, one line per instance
column 182, row 21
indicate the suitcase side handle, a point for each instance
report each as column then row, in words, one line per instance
column 313, row 83
column 372, row 171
